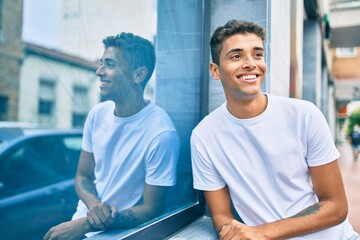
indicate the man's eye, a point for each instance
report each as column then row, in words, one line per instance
column 258, row 55
column 110, row 64
column 235, row 56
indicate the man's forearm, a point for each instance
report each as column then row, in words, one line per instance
column 312, row 219
column 74, row 230
column 86, row 191
column 135, row 216
column 221, row 221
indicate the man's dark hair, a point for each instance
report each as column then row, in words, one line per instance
column 229, row 29
column 137, row 51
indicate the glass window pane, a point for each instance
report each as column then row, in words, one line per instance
column 59, row 86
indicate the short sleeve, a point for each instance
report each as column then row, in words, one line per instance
column 321, row 147
column 86, row 140
column 205, row 175
column 161, row 163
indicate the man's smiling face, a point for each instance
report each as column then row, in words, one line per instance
column 242, row 66
column 115, row 78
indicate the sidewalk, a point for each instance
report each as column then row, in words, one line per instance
column 351, row 176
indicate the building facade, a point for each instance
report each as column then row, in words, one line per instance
column 345, row 25
column 56, row 89
column 11, row 51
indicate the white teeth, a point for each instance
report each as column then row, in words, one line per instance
column 248, row 77
column 104, row 83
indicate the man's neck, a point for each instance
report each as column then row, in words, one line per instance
column 129, row 108
column 248, row 108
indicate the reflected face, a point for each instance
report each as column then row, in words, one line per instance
column 115, row 77
column 242, row 66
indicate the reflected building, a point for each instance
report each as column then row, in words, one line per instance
column 41, row 85
column 11, row 51
column 56, row 89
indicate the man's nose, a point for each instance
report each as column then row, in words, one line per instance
column 249, row 63
column 99, row 71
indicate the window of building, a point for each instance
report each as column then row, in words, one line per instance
column 3, row 107
column 80, row 106
column 78, row 119
column 46, row 97
column 348, row 52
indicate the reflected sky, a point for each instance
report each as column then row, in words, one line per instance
column 35, row 13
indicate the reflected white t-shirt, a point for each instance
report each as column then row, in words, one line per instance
column 264, row 160
column 129, row 152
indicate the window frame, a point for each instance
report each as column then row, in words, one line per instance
column 46, row 104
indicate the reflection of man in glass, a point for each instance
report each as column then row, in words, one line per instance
column 130, row 146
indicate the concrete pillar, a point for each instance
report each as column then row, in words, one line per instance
column 312, row 62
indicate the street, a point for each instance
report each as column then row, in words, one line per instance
column 351, row 176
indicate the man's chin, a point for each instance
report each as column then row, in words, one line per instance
column 104, row 97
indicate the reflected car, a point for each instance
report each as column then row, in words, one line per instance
column 37, row 171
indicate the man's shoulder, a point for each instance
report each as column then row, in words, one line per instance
column 209, row 122
column 158, row 119
column 295, row 105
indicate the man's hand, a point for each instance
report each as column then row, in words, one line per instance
column 102, row 216
column 72, row 230
column 235, row 230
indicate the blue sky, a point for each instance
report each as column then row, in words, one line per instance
column 41, row 22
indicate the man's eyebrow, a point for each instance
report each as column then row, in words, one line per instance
column 240, row 50
column 234, row 50
column 108, row 60
column 259, row 48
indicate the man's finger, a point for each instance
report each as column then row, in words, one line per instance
column 95, row 221
column 114, row 212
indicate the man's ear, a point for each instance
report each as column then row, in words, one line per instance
column 140, row 74
column 215, row 71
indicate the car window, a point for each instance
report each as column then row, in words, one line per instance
column 72, row 149
column 38, row 162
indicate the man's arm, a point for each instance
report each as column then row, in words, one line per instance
column 84, row 180
column 329, row 211
column 85, row 188
column 153, row 206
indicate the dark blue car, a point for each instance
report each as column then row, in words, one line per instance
column 37, row 170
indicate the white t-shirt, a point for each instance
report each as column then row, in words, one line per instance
column 129, row 152
column 264, row 160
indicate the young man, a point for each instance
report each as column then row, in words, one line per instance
column 272, row 157
column 130, row 146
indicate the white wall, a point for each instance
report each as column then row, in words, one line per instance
column 279, row 62
column 65, row 76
